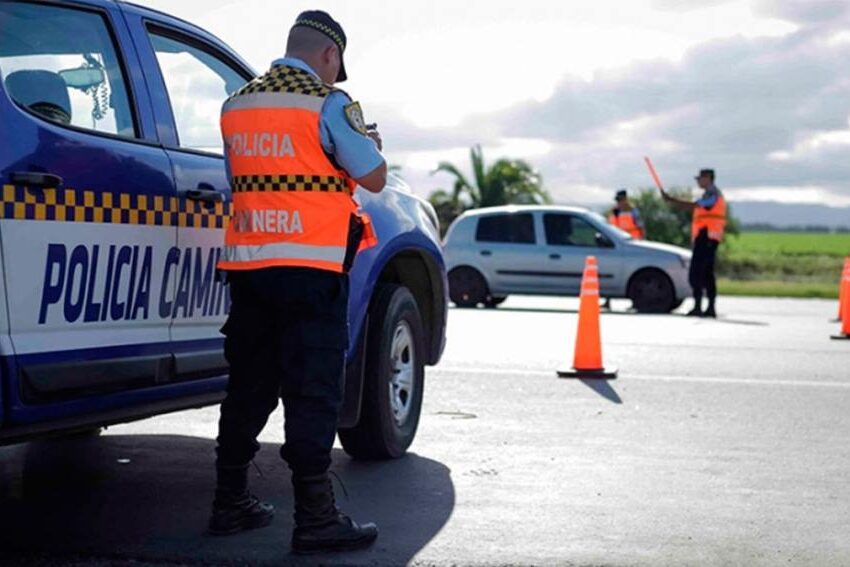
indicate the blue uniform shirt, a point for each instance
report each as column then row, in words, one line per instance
column 636, row 217
column 355, row 153
column 709, row 198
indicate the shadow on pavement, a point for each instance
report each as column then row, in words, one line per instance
column 603, row 388
column 572, row 311
column 148, row 497
column 742, row 322
column 722, row 319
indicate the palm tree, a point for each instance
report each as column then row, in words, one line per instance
column 505, row 182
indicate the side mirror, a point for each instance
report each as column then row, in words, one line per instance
column 603, row 241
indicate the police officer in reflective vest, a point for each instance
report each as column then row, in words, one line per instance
column 296, row 148
column 626, row 216
column 707, row 228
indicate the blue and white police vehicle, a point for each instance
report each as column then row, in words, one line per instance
column 113, row 201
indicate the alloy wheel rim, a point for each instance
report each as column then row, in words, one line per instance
column 403, row 369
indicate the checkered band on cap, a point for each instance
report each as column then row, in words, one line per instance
column 325, row 29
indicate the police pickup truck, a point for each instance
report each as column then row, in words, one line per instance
column 114, row 201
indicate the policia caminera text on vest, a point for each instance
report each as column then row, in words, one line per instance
column 292, row 205
column 293, row 237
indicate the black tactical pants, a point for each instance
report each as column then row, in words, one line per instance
column 285, row 338
column 701, row 274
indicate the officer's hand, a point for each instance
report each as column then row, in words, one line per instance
column 376, row 137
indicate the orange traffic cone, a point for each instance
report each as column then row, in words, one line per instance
column 842, row 289
column 588, row 355
column 845, row 309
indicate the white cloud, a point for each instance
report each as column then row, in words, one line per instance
column 758, row 90
column 812, row 145
column 789, row 195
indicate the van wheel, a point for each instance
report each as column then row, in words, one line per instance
column 467, row 287
column 651, row 291
column 394, row 378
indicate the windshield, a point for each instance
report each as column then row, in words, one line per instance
column 600, row 220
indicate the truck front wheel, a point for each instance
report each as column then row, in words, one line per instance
column 394, row 378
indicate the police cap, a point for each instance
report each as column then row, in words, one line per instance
column 324, row 23
column 706, row 173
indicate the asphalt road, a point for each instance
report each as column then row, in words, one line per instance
column 721, row 442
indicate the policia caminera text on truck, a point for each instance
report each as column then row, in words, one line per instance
column 114, row 204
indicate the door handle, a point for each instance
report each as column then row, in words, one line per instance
column 207, row 196
column 486, row 253
column 36, row 179
column 554, row 256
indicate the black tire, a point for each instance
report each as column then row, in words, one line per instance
column 467, row 287
column 493, row 302
column 651, row 291
column 382, row 433
column 89, row 433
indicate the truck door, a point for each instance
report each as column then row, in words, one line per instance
column 86, row 210
column 196, row 78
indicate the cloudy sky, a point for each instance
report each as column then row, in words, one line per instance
column 759, row 89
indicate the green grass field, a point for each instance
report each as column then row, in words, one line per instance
column 772, row 288
column 783, row 264
column 792, row 244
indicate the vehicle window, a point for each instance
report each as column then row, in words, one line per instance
column 61, row 64
column 569, row 230
column 610, row 227
column 516, row 228
column 197, row 83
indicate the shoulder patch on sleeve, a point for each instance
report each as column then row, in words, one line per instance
column 354, row 114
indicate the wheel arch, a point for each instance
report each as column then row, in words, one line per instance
column 423, row 276
column 420, row 273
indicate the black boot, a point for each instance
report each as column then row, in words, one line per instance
column 319, row 525
column 697, row 310
column 234, row 508
column 710, row 312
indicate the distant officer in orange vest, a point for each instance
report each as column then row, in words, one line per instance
column 626, row 216
column 295, row 147
column 707, row 228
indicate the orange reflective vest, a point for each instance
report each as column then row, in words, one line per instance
column 292, row 206
column 713, row 220
column 626, row 221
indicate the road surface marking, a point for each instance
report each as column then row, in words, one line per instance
column 654, row 377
